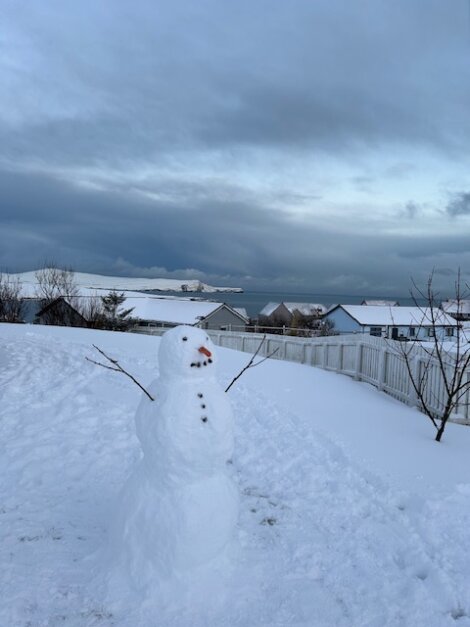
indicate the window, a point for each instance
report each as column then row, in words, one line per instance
column 376, row 331
column 431, row 332
column 412, row 332
column 449, row 331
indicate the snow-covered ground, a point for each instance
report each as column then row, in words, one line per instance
column 351, row 515
column 102, row 282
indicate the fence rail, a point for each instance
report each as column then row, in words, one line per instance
column 366, row 358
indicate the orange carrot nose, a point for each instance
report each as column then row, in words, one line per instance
column 204, row 350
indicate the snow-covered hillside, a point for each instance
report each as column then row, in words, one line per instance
column 101, row 282
column 350, row 515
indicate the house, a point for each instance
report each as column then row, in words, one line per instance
column 381, row 303
column 169, row 312
column 283, row 314
column 407, row 323
column 458, row 309
column 59, row 312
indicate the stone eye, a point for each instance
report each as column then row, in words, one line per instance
column 185, row 339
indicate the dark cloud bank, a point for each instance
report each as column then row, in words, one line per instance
column 117, row 87
column 125, row 233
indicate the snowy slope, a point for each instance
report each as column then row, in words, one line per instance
column 350, row 514
column 101, row 282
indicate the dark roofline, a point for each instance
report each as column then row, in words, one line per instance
column 223, row 305
column 56, row 300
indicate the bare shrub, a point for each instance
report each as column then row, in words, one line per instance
column 10, row 299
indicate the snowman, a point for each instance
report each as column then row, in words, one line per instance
column 180, row 506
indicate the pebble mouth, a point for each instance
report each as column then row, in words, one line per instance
column 197, row 364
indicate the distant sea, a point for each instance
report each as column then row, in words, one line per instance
column 254, row 302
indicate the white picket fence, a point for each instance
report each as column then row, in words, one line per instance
column 365, row 358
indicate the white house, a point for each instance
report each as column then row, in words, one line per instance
column 411, row 323
column 169, row 312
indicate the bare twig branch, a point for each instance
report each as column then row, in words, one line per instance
column 250, row 364
column 118, row 368
column 98, row 363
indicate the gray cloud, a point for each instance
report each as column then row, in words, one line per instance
column 411, row 210
column 94, row 85
column 459, row 205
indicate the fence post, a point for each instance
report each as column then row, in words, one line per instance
column 416, row 370
column 309, row 354
column 466, row 397
column 382, row 368
column 358, row 367
column 325, row 356
column 340, row 357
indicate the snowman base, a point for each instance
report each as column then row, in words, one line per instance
column 176, row 528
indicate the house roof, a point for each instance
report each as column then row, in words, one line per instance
column 269, row 309
column 306, row 309
column 453, row 306
column 395, row 316
column 177, row 310
column 243, row 312
column 53, row 303
column 380, row 303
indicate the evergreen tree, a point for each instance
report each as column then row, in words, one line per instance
column 113, row 312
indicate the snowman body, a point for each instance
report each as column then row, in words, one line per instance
column 180, row 506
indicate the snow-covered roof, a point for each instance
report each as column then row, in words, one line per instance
column 306, row 309
column 396, row 316
column 380, row 303
column 178, row 311
column 453, row 306
column 242, row 311
column 268, row 309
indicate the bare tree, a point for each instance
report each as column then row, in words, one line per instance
column 442, row 361
column 54, row 283
column 91, row 308
column 11, row 304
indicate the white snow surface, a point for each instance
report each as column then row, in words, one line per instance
column 102, row 282
column 350, row 513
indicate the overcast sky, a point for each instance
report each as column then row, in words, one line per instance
column 316, row 145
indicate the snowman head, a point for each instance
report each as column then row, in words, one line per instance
column 186, row 351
